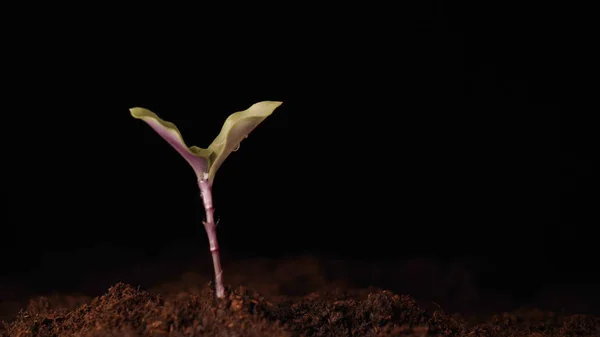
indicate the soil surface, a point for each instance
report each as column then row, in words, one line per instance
column 128, row 311
column 295, row 298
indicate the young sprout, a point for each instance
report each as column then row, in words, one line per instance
column 206, row 161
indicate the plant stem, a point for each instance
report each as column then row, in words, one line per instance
column 211, row 231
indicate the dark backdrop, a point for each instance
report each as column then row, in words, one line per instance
column 444, row 132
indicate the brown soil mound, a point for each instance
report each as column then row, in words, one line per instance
column 128, row 311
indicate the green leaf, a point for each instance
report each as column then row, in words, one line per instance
column 237, row 127
column 206, row 161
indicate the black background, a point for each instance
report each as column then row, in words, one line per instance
column 433, row 130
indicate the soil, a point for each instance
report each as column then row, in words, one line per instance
column 189, row 308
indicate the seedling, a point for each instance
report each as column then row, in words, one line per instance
column 206, row 161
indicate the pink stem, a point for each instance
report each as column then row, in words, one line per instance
column 210, row 226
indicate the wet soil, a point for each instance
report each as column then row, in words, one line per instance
column 188, row 307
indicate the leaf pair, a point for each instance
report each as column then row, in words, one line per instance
column 206, row 161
